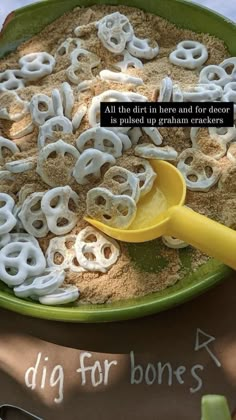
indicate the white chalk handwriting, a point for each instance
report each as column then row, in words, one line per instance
column 100, row 373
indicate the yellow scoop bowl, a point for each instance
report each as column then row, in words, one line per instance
column 161, row 212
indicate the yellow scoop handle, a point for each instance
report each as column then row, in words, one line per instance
column 175, row 220
column 205, row 234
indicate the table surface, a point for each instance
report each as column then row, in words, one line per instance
column 156, row 368
column 159, row 366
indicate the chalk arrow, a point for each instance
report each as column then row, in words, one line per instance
column 202, row 341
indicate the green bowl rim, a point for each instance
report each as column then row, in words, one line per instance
column 193, row 5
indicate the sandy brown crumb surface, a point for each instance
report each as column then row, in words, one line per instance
column 141, row 269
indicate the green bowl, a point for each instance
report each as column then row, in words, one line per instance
column 26, row 22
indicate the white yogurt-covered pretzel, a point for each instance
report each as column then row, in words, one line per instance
column 7, row 144
column 33, row 217
column 80, row 67
column 120, row 77
column 203, row 93
column 149, row 151
column 110, row 96
column 145, row 175
column 224, row 134
column 107, row 96
column 102, row 139
column 228, row 63
column 229, row 94
column 9, row 113
column 11, row 80
column 114, row 210
column 41, row 285
column 126, row 142
column 60, row 148
column 177, row 94
column 231, row 153
column 153, row 134
column 135, row 97
column 128, row 61
column 18, row 261
column 40, row 116
column 4, row 239
column 93, row 59
column 34, row 66
column 55, row 213
column 230, row 87
column 23, row 130
column 25, row 190
column 66, row 46
column 195, row 164
column 87, row 84
column 134, row 135
column 56, row 124
column 174, row 243
column 6, row 175
column 24, row 238
column 122, row 182
column 68, row 99
column 90, row 163
column 166, row 90
column 61, row 296
column 22, row 165
column 18, row 228
column 119, row 130
column 114, row 31
column 140, row 48
column 193, row 136
column 189, row 54
column 58, row 247
column 78, row 116
column 90, row 241
column 214, row 74
column 57, row 103
column 217, row 152
column 7, row 219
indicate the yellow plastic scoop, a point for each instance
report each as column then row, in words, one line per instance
column 161, row 212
